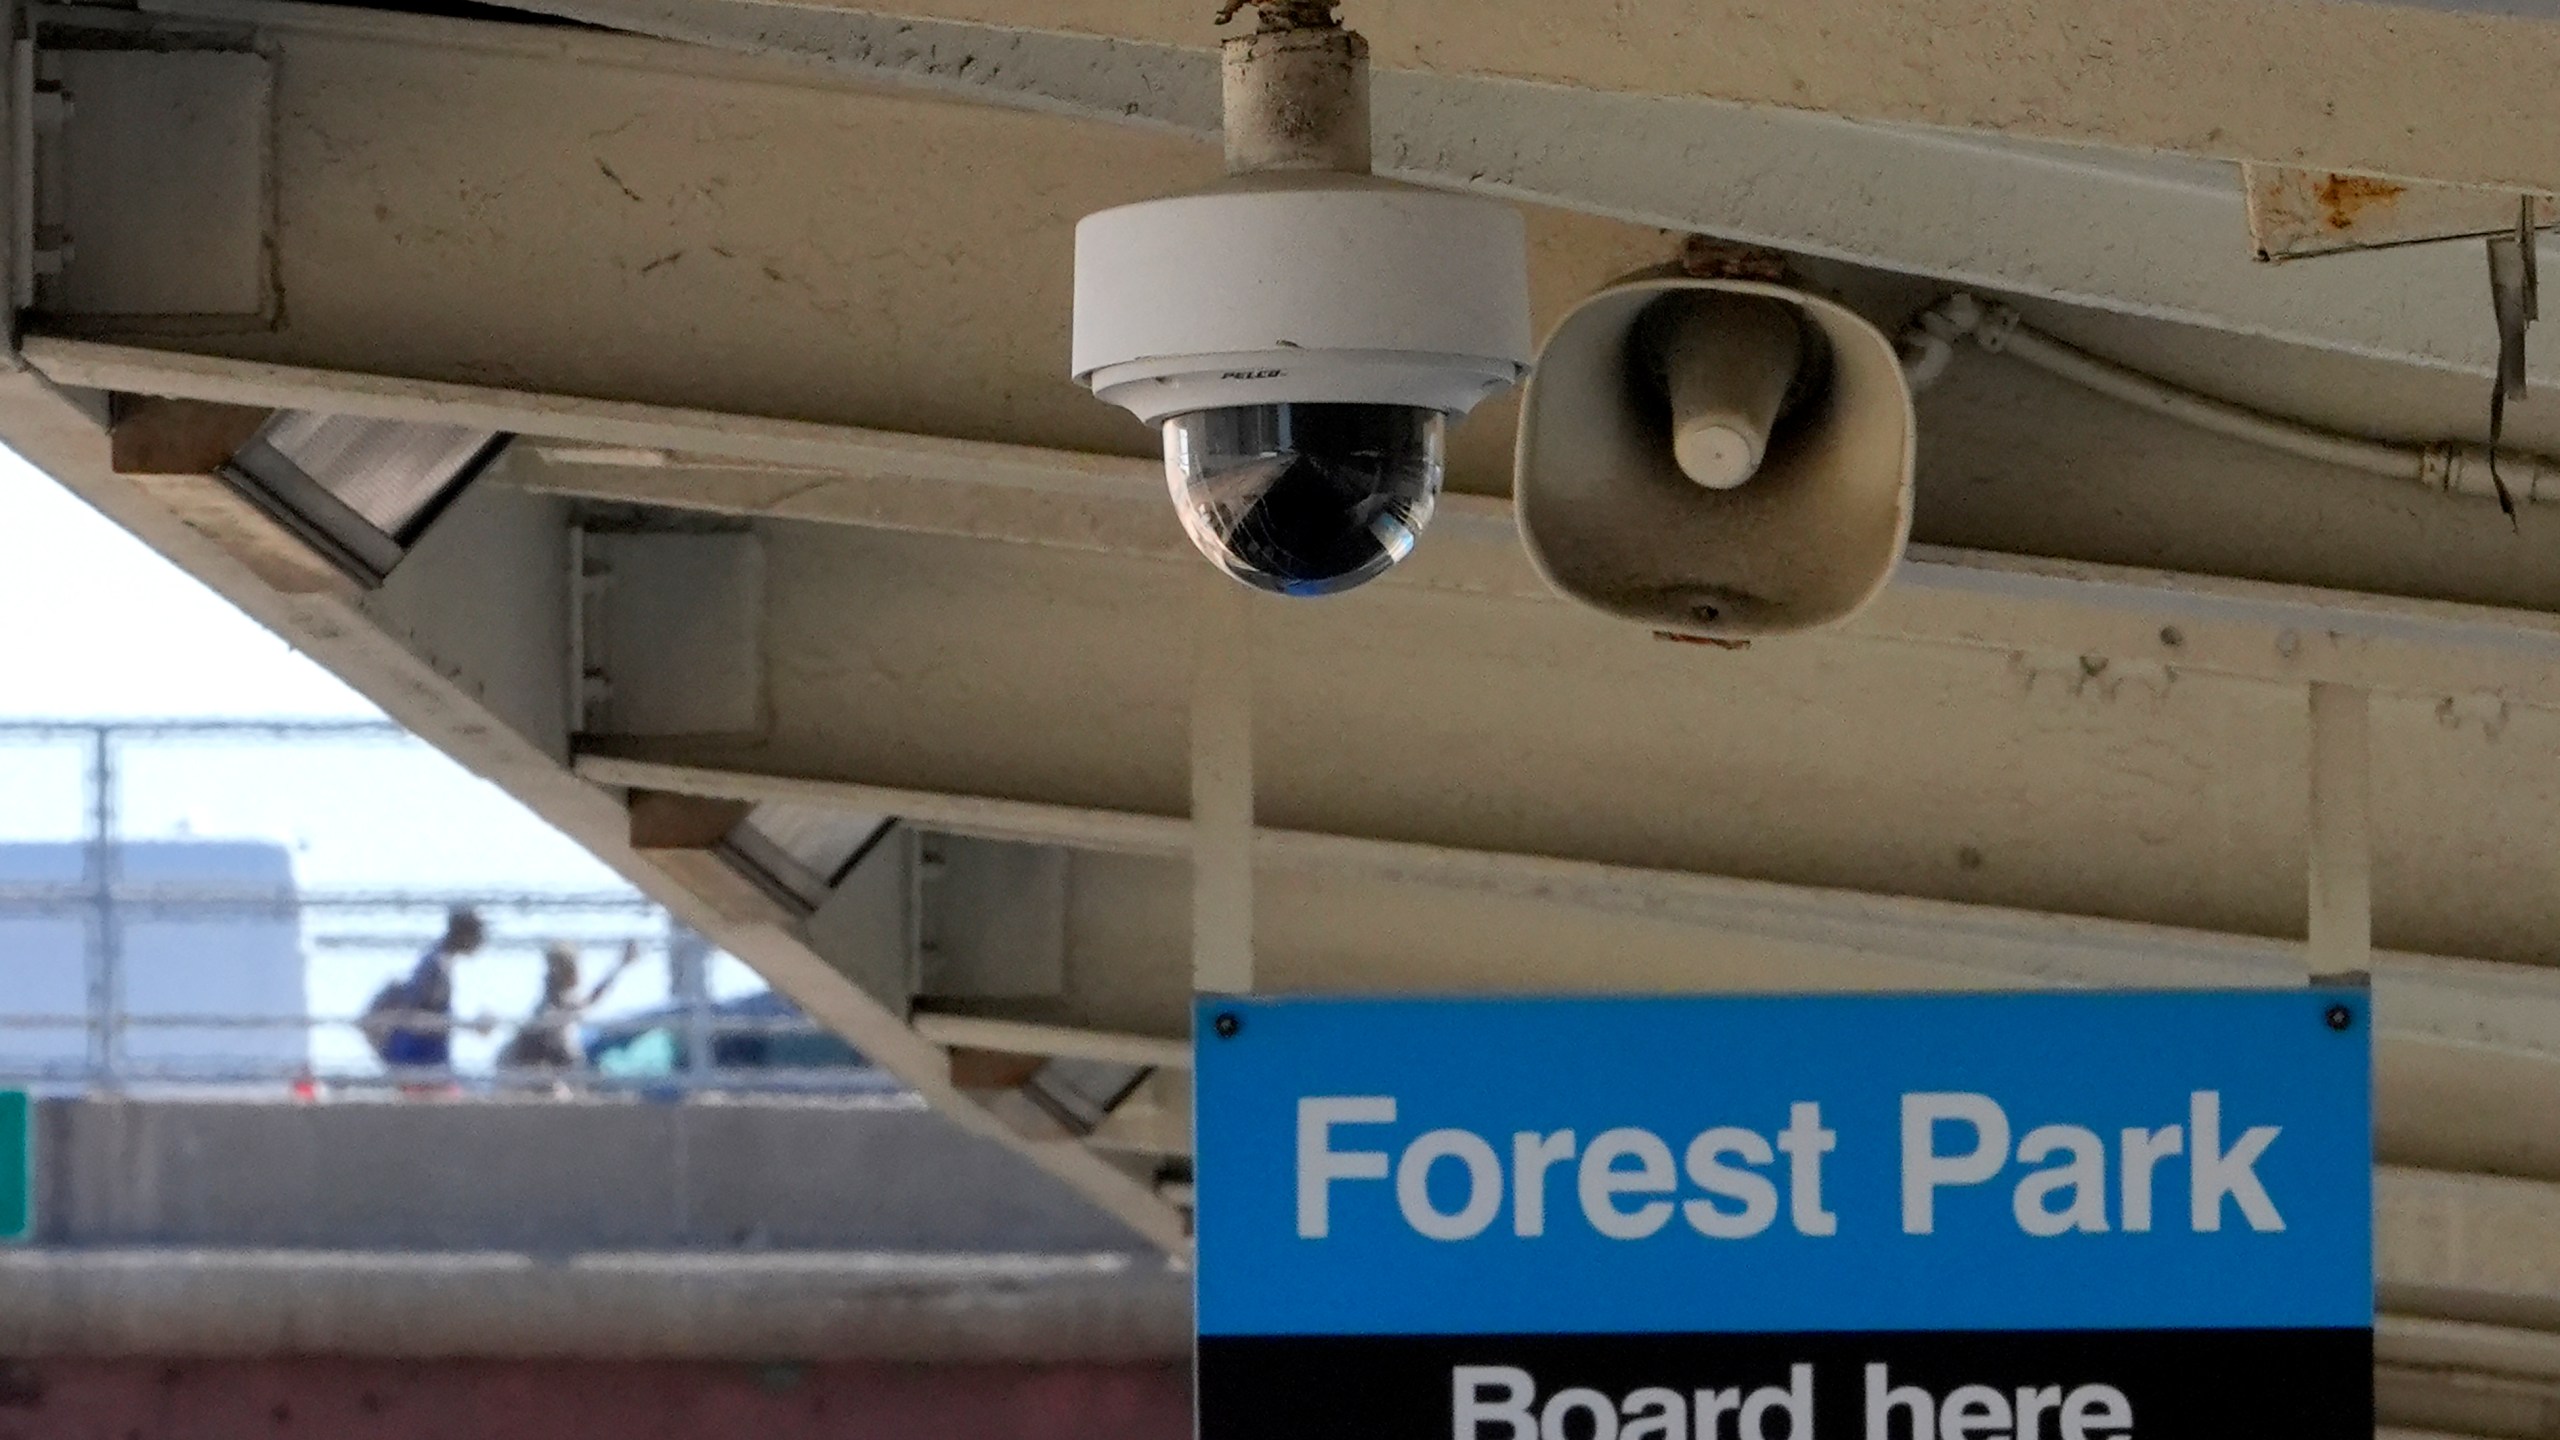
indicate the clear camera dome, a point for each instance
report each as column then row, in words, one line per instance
column 1305, row 499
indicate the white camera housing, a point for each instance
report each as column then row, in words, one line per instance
column 1302, row 287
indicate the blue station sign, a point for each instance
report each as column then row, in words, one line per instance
column 1980, row 1217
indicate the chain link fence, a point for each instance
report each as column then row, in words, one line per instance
column 232, row 905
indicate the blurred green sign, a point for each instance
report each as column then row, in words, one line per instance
column 17, row 1168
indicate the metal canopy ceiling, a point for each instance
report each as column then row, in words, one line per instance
column 805, row 527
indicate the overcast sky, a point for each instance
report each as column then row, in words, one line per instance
column 101, row 625
column 94, row 624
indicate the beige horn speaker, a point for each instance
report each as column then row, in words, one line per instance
column 1724, row 458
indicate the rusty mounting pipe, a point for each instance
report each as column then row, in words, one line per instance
column 1296, row 93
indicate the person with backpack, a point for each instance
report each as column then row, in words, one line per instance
column 410, row 1020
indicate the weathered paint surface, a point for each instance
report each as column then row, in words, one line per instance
column 2299, row 213
column 523, row 200
column 82, row 1399
column 2123, row 230
column 2341, row 86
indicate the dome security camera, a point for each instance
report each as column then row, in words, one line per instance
column 1302, row 341
column 1302, row 332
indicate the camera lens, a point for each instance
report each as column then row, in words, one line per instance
column 1305, row 499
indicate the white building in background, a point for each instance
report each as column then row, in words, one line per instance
column 202, row 928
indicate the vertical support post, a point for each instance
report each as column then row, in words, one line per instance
column 1222, row 792
column 689, row 978
column 2341, row 929
column 106, row 941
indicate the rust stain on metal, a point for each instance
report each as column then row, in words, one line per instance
column 1706, row 258
column 1284, row 14
column 2344, row 198
column 1713, row 641
column 2296, row 214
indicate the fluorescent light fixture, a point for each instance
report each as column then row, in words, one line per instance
column 358, row 490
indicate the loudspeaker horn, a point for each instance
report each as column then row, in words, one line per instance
column 1716, row 457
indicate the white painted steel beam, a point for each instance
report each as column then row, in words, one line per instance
column 544, row 207
column 2141, row 234
column 2341, row 86
column 2059, row 755
column 620, row 451
column 2137, row 234
column 2465, row 1376
column 449, row 226
column 1768, row 931
column 2025, row 644
column 2469, row 1247
column 2211, row 624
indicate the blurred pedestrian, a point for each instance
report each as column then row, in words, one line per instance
column 548, row 1040
column 410, row 1020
